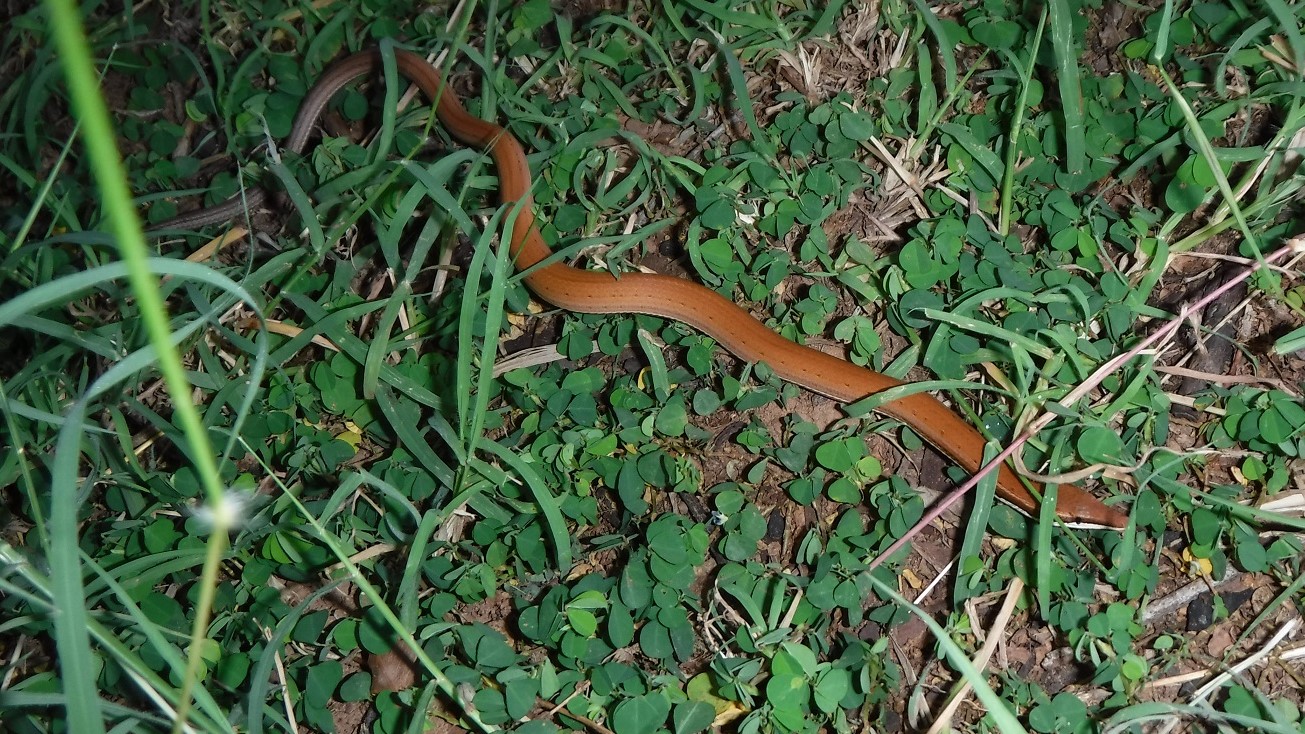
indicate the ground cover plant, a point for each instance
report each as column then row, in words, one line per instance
column 241, row 477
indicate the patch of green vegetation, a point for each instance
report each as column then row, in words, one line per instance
column 572, row 545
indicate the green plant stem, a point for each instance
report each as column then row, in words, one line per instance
column 93, row 116
column 1017, row 122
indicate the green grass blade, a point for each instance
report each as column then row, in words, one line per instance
column 1067, row 78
